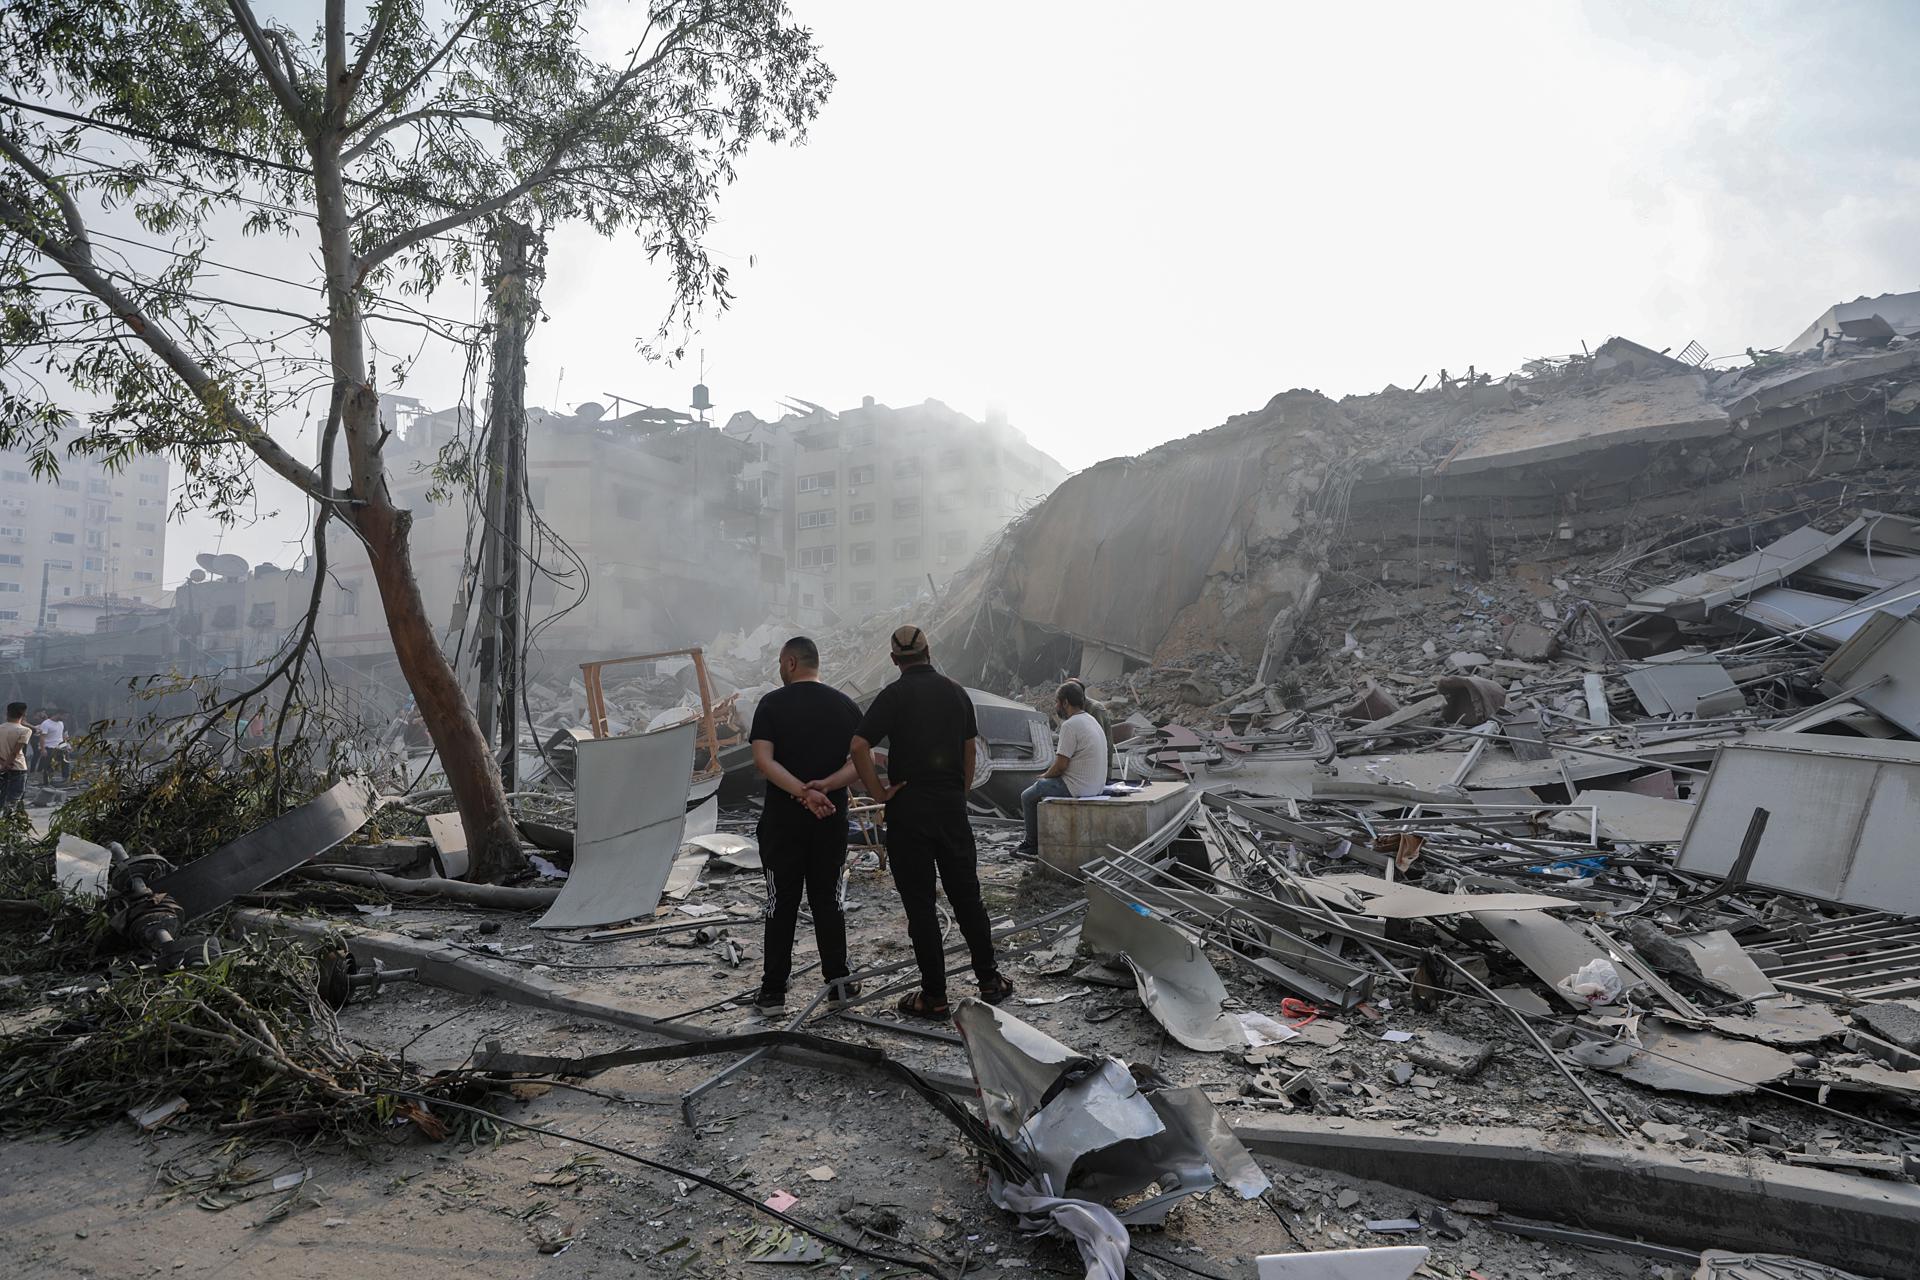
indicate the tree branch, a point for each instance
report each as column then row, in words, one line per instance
column 263, row 57
column 405, row 91
column 74, row 256
column 556, row 151
column 359, row 148
column 382, row 24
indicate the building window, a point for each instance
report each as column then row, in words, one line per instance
column 149, row 477
column 952, row 459
column 60, row 565
column 147, row 552
column 817, row 557
column 226, row 617
column 346, row 601
column 142, row 575
column 863, row 593
column 949, row 502
column 12, row 560
column 905, row 467
column 953, row 543
column 9, row 587
column 13, row 615
column 15, row 531
column 816, row 519
column 827, row 440
column 818, row 482
column 906, row 548
column 71, row 486
column 905, row 590
column 904, row 508
column 992, row 497
column 146, row 526
column 17, row 477
column 99, row 486
column 826, row 593
column 860, row 475
column 860, row 553
column 53, row 616
column 92, row 564
column 861, row 514
column 65, row 539
column 263, row 614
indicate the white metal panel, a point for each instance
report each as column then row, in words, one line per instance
column 1842, row 813
column 630, row 804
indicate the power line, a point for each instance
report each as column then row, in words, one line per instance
column 219, row 153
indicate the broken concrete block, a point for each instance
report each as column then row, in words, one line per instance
column 1891, row 1020
column 1460, row 660
column 1402, row 1072
column 1657, row 1132
column 1454, row 1055
column 1530, row 643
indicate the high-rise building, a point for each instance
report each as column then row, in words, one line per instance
column 90, row 533
column 876, row 505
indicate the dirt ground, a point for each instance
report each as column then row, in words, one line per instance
column 119, row 1204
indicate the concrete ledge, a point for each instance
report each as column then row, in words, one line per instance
column 1698, row 1201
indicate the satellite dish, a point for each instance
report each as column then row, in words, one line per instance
column 197, row 575
column 591, row 410
column 223, row 566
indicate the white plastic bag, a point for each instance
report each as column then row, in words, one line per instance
column 1596, row 983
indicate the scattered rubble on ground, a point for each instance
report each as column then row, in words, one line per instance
column 1531, row 771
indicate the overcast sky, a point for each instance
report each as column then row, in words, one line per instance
column 1124, row 222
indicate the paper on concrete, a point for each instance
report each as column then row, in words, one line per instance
column 630, row 804
column 1373, row 896
column 450, row 842
column 81, row 866
column 742, row 853
column 1396, row 1262
column 1177, row 983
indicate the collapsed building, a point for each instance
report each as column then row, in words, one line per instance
column 1226, row 539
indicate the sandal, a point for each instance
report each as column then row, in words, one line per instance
column 998, row 990
column 916, row 1005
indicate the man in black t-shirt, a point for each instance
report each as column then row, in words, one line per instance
column 927, row 721
column 802, row 730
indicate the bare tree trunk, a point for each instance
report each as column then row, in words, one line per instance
column 473, row 775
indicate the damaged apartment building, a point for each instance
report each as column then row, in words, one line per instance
column 652, row 530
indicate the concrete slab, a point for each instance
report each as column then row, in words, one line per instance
column 1076, row 832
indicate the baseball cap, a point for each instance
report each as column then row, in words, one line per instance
column 909, row 642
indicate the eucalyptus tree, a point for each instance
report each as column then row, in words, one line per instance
column 391, row 140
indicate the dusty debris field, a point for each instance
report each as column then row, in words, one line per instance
column 866, row 1159
column 119, row 1204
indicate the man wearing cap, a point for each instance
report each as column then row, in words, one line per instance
column 927, row 722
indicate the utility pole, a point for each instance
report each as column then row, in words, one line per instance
column 515, row 289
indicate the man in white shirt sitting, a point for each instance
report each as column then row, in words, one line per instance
column 1079, row 768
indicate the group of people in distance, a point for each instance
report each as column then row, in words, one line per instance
column 27, row 744
column 811, row 743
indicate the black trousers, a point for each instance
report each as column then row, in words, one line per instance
column 923, row 846
column 809, row 856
